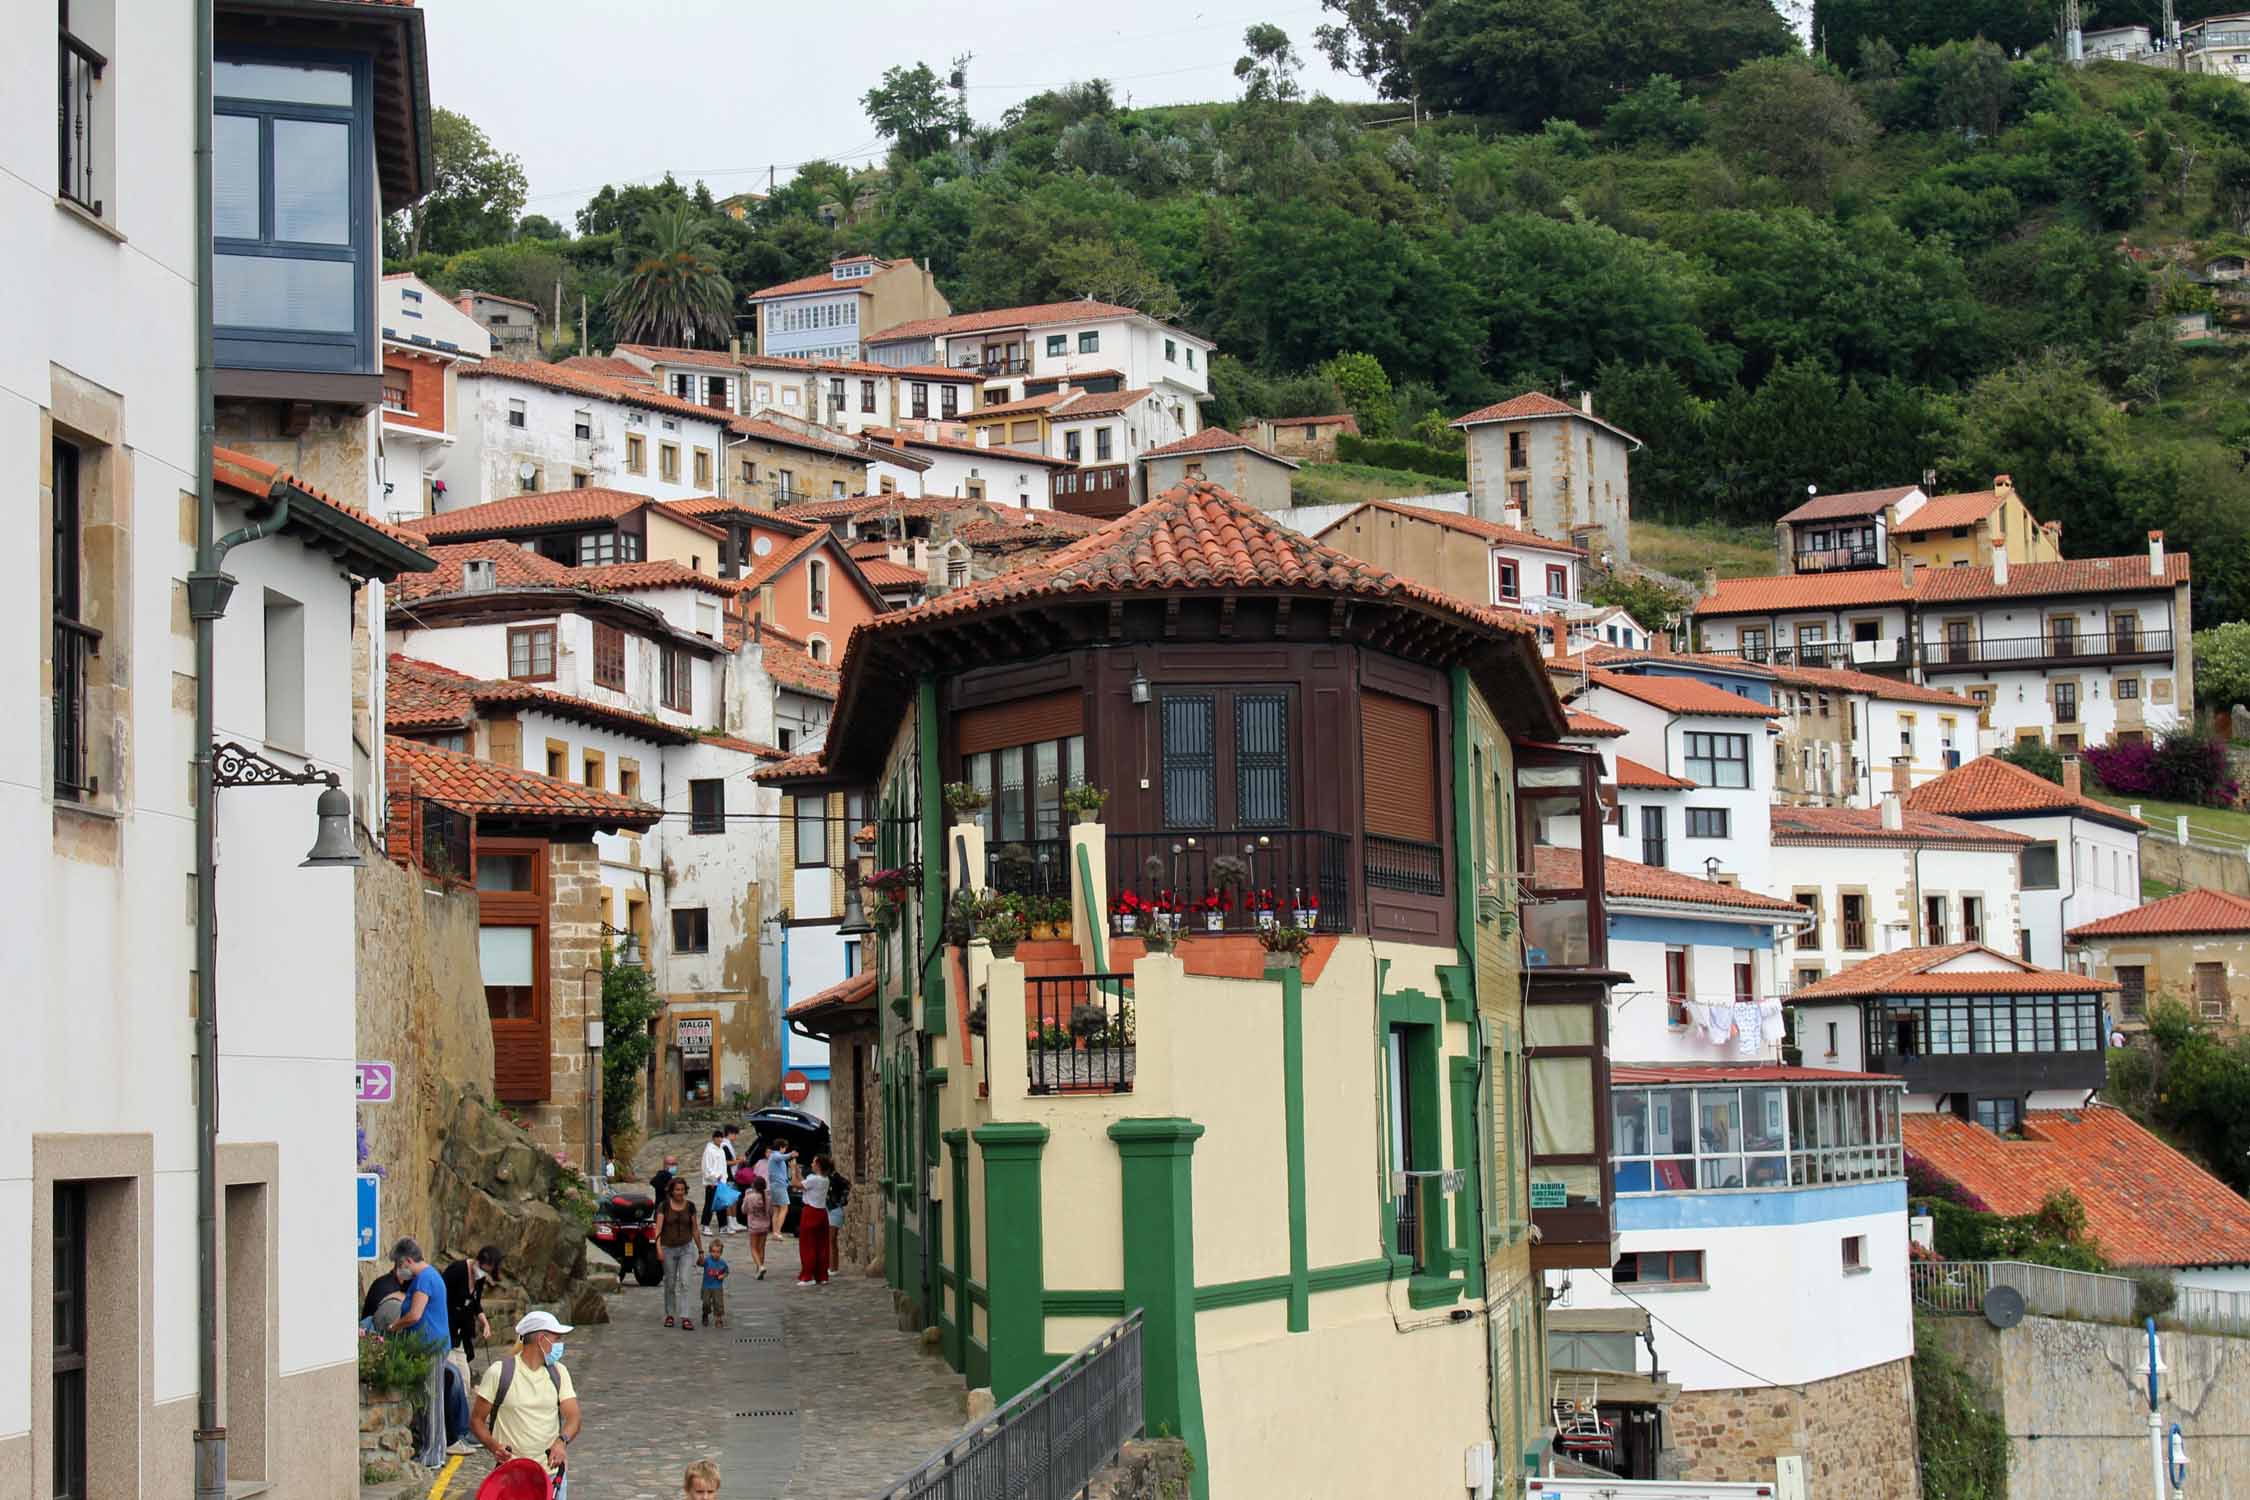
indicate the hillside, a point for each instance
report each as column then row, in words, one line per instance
column 1776, row 276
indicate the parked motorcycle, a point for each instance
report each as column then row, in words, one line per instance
column 625, row 1226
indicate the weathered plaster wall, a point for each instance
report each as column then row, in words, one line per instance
column 1856, row 1433
column 2076, row 1405
column 2182, row 865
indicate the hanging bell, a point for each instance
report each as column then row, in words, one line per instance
column 333, row 846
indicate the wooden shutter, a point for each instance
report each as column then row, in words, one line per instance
column 521, row 1059
column 1027, row 721
column 1398, row 767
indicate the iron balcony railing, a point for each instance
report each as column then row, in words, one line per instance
column 76, row 645
column 1304, row 870
column 1405, row 865
column 79, row 68
column 1079, row 1034
column 1028, row 867
column 1833, row 559
column 1049, row 1440
column 2049, row 647
column 997, row 365
column 1861, row 654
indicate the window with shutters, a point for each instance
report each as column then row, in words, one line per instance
column 1023, row 754
column 609, row 656
column 1190, row 729
column 512, row 957
column 1399, row 794
column 1261, row 760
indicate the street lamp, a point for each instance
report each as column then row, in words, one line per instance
column 234, row 765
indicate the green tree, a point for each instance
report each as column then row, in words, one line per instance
column 1792, row 120
column 1366, row 390
column 2047, row 422
column 1269, row 70
column 673, row 292
column 629, row 1003
column 2150, row 359
column 540, row 227
column 1657, row 112
column 2222, row 665
column 2032, row 756
column 912, row 107
column 1520, row 61
column 617, row 210
column 475, row 196
column 2230, row 187
column 1369, row 41
column 1961, row 1440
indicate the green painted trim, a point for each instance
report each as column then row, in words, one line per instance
column 1084, row 1303
column 1097, row 917
column 1465, row 1076
column 1156, row 1159
column 978, row 1296
column 1353, row 1274
column 1431, row 1291
column 1293, row 1136
column 1458, row 986
column 980, row 1365
column 1411, row 1008
column 936, row 1077
column 1464, row 851
column 1014, row 1252
column 957, row 1155
column 933, row 851
column 1244, row 1293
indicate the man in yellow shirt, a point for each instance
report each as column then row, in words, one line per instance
column 536, row 1414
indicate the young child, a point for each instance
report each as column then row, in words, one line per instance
column 702, row 1480
column 714, row 1288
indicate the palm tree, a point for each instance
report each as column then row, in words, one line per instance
column 673, row 294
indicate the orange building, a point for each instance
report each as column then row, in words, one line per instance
column 811, row 588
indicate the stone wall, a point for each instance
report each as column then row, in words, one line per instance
column 421, row 1008
column 859, row 1243
column 2164, row 858
column 2076, row 1405
column 1856, row 1433
column 1146, row 1469
column 575, row 903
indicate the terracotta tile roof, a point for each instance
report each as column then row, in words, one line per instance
column 865, row 552
column 1491, row 531
column 1344, row 419
column 839, row 444
column 792, row 769
column 1600, row 653
column 884, row 573
column 512, row 567
column 823, row 281
column 1943, row 512
column 746, row 747
column 1849, row 505
column 1582, row 722
column 606, row 367
column 248, row 474
column 616, row 578
column 1002, row 317
column 2146, row 1204
column 1864, row 825
column 672, row 354
column 1636, row 1074
column 898, row 438
column 857, row 367
column 1214, row 440
column 1991, row 787
column 491, row 790
column 1918, row 971
column 1629, row 880
column 424, row 695
column 1084, row 404
column 1637, row 777
column 794, row 669
column 544, row 511
column 2197, row 911
column 1530, row 406
column 581, row 383
column 1681, row 695
column 1891, row 689
column 781, row 559
column 714, row 509
column 1802, row 591
column 1021, row 407
column 857, row 990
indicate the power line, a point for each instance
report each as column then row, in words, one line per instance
column 1706, row 1348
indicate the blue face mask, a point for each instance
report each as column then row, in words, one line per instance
column 555, row 1352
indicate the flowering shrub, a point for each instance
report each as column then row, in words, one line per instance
column 397, row 1367
column 2184, row 766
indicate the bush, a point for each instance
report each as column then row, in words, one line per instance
column 397, row 1366
column 1656, row 111
column 2184, row 766
column 2038, row 759
column 1961, row 1440
column 2153, row 1294
column 1393, row 454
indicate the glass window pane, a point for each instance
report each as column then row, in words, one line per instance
column 304, row 296
column 282, row 83
column 1562, row 1106
column 1628, row 1132
column 503, row 872
column 1047, row 789
column 1718, row 1120
column 1009, row 805
column 1762, row 1113
column 234, row 176
column 1190, row 748
column 312, row 182
column 504, row 954
column 1671, row 1122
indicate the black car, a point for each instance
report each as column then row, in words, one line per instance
column 800, row 1129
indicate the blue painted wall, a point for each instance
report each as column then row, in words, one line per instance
column 1690, row 933
column 1745, row 1210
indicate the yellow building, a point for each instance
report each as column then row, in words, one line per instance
column 1958, row 531
column 1327, row 1185
column 2193, row 948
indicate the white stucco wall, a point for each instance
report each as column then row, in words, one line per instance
column 2098, row 874
column 486, row 458
column 1888, row 875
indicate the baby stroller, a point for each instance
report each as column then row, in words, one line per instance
column 517, row 1479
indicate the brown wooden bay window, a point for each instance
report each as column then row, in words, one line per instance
column 512, row 957
column 1023, row 754
column 609, row 656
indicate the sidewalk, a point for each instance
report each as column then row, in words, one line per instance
column 809, row 1394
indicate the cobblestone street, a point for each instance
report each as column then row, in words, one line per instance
column 806, row 1395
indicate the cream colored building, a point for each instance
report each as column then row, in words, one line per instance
column 2193, row 948
column 1959, row 531
column 1559, row 465
column 1235, row 464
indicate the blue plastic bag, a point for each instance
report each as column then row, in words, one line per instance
column 726, row 1196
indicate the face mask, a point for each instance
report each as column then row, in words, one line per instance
column 555, row 1352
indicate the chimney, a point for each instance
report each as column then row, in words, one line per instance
column 1906, row 570
column 1929, row 480
column 1902, row 776
column 1511, row 514
column 984, row 437
column 2073, row 779
column 1710, row 582
column 1586, row 402
column 478, row 575
column 2156, row 554
column 734, row 348
column 2003, row 486
column 1659, row 642
column 1894, row 813
column 1999, row 560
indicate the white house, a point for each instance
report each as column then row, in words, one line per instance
column 1096, row 346
column 1560, row 466
column 2082, row 861
column 426, row 340
column 1848, row 735
column 827, row 315
column 975, row 470
column 99, row 1344
column 529, row 428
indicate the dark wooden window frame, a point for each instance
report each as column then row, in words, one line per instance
column 609, row 655
column 68, row 1356
column 531, row 634
column 515, row 1034
column 707, row 802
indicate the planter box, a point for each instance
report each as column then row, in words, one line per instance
column 1276, row 962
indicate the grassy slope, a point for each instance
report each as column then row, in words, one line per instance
column 1335, row 484
column 2206, row 825
column 1685, row 551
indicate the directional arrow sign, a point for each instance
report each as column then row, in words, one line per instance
column 374, row 1082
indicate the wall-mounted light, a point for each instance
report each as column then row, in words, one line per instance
column 1140, row 686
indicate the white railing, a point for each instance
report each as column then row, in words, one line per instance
column 1959, row 1286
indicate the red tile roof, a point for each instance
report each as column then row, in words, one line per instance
column 580, row 383
column 781, row 559
column 857, row 367
column 1632, row 1074
column 1582, row 722
column 1213, row 440
column 1864, row 825
column 1891, row 689
column 793, row 668
column 717, row 510
column 747, row 747
column 1084, row 404
column 795, row 767
column 884, row 573
column 617, row 578
column 1002, row 317
column 1943, row 512
column 1634, row 776
column 1490, row 531
column 1803, row 591
column 1849, row 505
column 963, row 445
column 424, row 695
column 606, row 367
column 857, row 990
column 248, row 474
column 1629, row 880
column 672, row 354
column 512, row 567
column 824, row 281
column 1342, row 419
column 837, row 444
column 2201, row 910
column 2146, row 1204
column 1991, row 787
column 1681, row 695
column 544, row 511
column 1023, row 406
column 490, row 790
column 1919, row 971
column 1530, row 406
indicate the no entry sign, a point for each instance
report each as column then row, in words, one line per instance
column 795, row 1087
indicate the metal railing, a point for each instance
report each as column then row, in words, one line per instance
column 2049, row 647
column 1050, row 1439
column 1959, row 1286
column 1880, row 653
column 79, row 68
column 445, row 842
column 1003, row 365
column 1079, row 1034
column 1405, row 865
column 1028, row 867
column 76, row 645
column 1299, row 867
column 1831, row 559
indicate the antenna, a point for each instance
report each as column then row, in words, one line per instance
column 2073, row 33
column 959, row 83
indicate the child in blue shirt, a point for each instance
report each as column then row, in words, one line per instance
column 714, row 1287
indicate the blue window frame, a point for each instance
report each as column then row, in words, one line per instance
column 293, row 216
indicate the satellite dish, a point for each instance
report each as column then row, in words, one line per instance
column 526, row 471
column 2003, row 1307
column 762, row 545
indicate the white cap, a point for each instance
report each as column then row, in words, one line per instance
column 539, row 1322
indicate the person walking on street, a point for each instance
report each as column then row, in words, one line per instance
column 465, row 1281
column 812, row 1225
column 526, row 1406
column 714, row 1173
column 839, row 1194
column 660, row 1185
column 681, row 1242
column 425, row 1319
column 757, row 1217
column 715, row 1270
column 747, row 1169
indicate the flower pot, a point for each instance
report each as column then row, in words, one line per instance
column 1089, row 815
column 1265, row 921
column 1307, row 917
column 1125, row 922
column 1003, row 950
column 1214, row 921
column 966, row 819
column 1275, row 962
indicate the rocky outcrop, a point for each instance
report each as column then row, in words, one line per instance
column 492, row 1185
column 1145, row 1469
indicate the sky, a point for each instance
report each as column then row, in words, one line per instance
column 589, row 92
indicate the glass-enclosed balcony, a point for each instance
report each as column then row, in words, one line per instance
column 1677, row 1137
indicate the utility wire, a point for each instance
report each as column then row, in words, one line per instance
column 1706, row 1348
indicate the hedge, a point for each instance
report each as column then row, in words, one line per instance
column 1393, row 453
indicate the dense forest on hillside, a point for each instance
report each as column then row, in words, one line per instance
column 1777, row 271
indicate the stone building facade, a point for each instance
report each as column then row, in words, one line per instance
column 1855, row 1433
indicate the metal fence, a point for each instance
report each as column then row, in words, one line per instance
column 1959, row 1286
column 1050, row 1439
column 1079, row 1034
